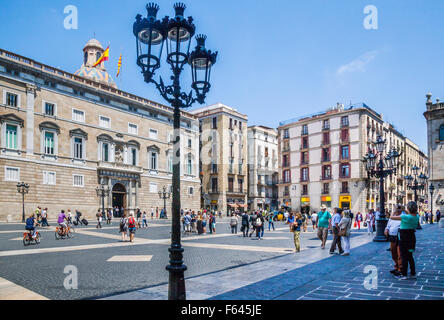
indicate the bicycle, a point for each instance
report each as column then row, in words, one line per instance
column 64, row 232
column 28, row 238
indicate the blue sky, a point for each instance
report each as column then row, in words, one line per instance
column 277, row 59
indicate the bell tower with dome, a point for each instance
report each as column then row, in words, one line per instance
column 91, row 53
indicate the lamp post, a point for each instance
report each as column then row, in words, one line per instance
column 164, row 194
column 431, row 189
column 102, row 192
column 23, row 188
column 151, row 35
column 386, row 166
column 414, row 184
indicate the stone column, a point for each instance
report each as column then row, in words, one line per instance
column 136, row 193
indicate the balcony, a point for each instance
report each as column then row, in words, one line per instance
column 285, row 148
column 213, row 190
column 326, row 128
column 284, row 181
column 344, row 124
column 326, row 177
column 325, row 143
column 118, row 166
column 286, row 164
column 238, row 191
column 325, row 159
column 345, row 190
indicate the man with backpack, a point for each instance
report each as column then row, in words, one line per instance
column 131, row 226
column 123, row 227
column 260, row 226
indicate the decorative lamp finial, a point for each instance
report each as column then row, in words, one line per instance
column 200, row 39
column 180, row 9
column 152, row 9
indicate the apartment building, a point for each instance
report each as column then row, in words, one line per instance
column 325, row 152
column 64, row 134
column 262, row 168
column 223, row 155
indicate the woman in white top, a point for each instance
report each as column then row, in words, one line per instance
column 369, row 219
column 345, row 226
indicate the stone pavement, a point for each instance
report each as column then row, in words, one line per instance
column 313, row 274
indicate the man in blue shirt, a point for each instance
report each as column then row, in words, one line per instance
column 336, row 237
column 322, row 223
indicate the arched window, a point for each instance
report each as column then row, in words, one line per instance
column 85, row 58
column 441, row 132
column 98, row 55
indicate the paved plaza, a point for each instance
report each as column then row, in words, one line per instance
column 220, row 266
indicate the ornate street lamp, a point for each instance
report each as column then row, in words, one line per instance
column 102, row 192
column 164, row 194
column 386, row 166
column 416, row 183
column 431, row 189
column 23, row 188
column 151, row 35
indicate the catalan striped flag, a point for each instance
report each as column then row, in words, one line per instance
column 103, row 57
column 119, row 64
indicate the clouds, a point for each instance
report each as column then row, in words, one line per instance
column 357, row 65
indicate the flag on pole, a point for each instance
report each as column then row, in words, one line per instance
column 119, row 64
column 103, row 57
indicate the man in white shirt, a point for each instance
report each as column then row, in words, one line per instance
column 391, row 231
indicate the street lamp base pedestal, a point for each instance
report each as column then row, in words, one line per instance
column 380, row 228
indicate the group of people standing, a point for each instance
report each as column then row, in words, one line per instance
column 400, row 230
column 193, row 222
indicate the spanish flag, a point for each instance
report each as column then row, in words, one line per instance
column 119, row 64
column 103, row 57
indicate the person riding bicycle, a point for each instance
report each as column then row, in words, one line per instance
column 30, row 225
column 61, row 221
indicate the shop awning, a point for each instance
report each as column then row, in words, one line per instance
column 243, row 205
column 233, row 205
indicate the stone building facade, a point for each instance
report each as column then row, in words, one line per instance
column 435, row 138
column 262, row 168
column 64, row 134
column 223, row 169
column 320, row 160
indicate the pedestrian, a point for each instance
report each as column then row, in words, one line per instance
column 314, row 216
column 99, row 219
column 286, row 215
column 245, row 224
column 295, row 227
column 345, row 231
column 369, row 220
column 131, row 226
column 260, row 226
column 139, row 218
column 233, row 223
column 199, row 223
column 152, row 213
column 45, row 218
column 78, row 215
column 421, row 217
column 335, row 227
column 212, row 223
column 407, row 239
column 157, row 212
column 187, row 222
column 270, row 219
column 322, row 223
column 391, row 231
column 109, row 216
column 438, row 215
column 358, row 220
column 123, row 226
column 204, row 222
column 253, row 223
column 144, row 220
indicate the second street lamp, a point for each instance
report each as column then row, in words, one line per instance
column 164, row 194
column 23, row 188
column 102, row 192
column 151, row 34
column 414, row 184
